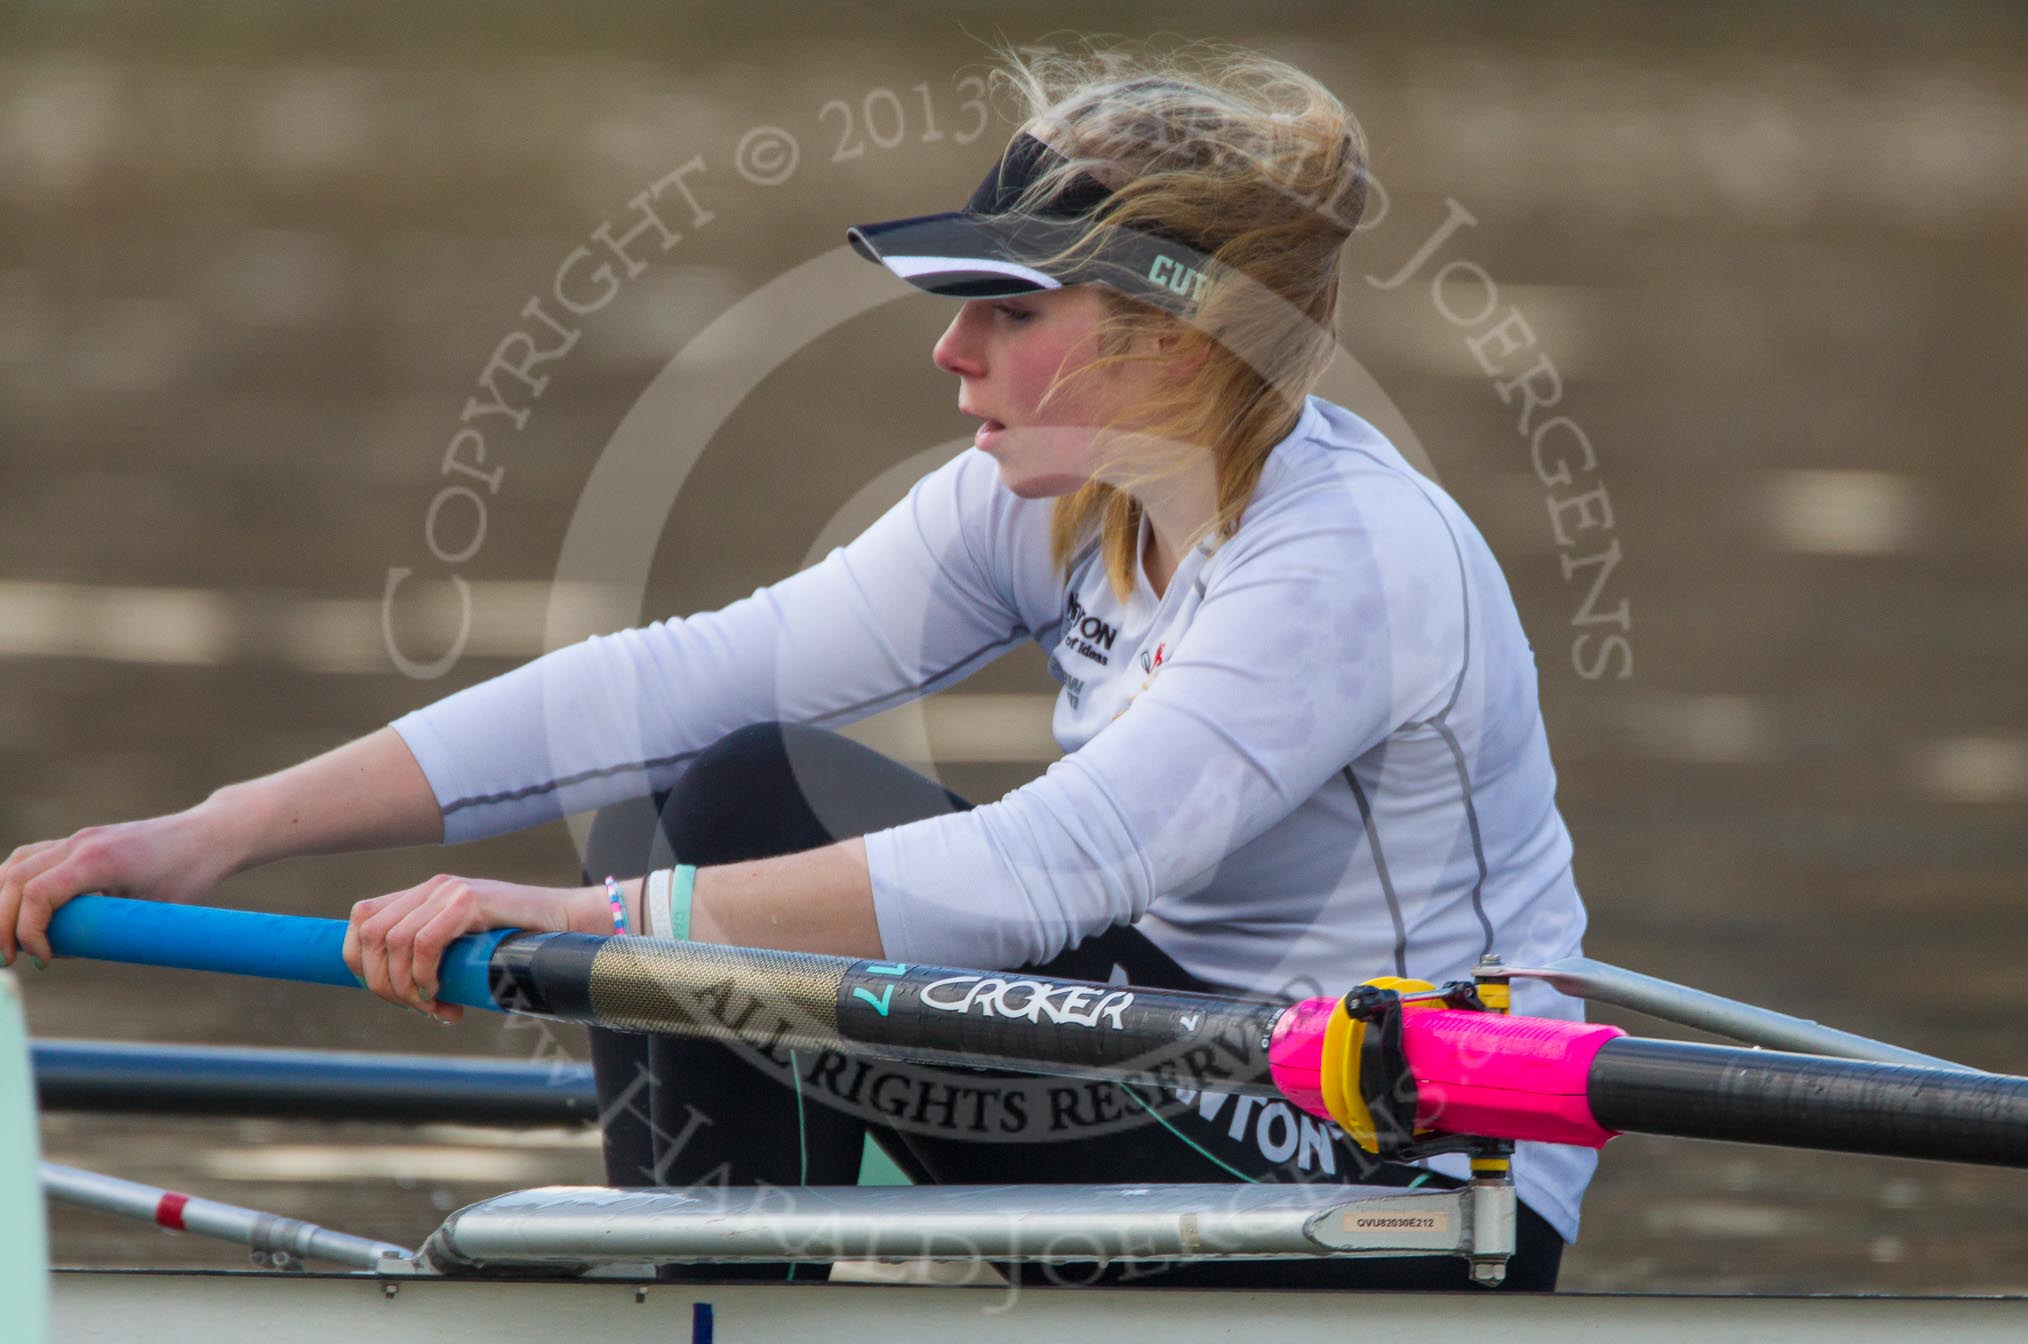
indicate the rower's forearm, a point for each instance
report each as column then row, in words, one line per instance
column 817, row 901
column 367, row 794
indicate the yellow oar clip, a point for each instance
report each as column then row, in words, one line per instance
column 1339, row 1078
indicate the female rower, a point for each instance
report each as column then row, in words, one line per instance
column 1299, row 715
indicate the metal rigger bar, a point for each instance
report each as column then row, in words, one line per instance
column 281, row 1242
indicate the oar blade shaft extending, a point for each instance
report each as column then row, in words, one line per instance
column 1810, row 1101
column 1578, row 1083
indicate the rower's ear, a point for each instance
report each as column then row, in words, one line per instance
column 1182, row 352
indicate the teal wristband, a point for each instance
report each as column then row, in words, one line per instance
column 682, row 887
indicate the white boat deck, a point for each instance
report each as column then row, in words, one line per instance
column 94, row 1306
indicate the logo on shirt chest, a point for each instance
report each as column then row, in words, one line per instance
column 1073, row 686
column 1087, row 635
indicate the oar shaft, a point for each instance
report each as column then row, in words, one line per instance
column 1809, row 1101
column 766, row 999
column 915, row 1014
column 1476, row 1073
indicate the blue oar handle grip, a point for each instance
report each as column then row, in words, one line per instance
column 245, row 942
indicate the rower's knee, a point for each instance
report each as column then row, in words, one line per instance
column 763, row 790
column 726, row 792
column 742, row 797
column 624, row 839
column 749, row 761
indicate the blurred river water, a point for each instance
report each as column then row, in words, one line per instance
column 256, row 267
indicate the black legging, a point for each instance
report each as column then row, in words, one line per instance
column 689, row 1113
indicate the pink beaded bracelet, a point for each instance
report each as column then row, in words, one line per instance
column 619, row 900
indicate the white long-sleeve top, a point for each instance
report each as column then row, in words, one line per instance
column 1316, row 757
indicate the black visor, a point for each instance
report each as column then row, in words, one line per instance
column 988, row 251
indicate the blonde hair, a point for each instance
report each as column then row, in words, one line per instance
column 1256, row 167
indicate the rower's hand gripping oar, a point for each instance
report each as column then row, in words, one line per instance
column 1424, row 1064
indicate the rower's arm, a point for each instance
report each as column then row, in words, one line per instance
column 367, row 794
column 818, row 901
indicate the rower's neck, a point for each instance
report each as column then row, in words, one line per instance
column 1177, row 512
column 1159, row 561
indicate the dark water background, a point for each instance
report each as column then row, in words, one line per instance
column 252, row 262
